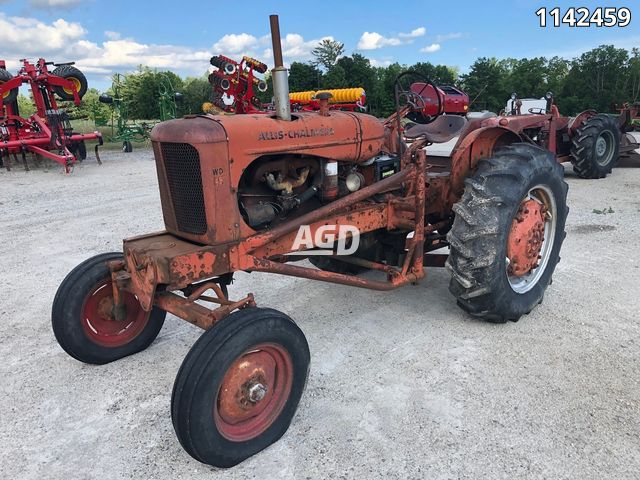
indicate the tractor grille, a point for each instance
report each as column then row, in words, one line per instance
column 182, row 169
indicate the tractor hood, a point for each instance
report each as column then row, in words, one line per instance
column 341, row 136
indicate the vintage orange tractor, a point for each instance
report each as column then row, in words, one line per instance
column 257, row 193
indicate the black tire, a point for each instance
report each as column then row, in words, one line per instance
column 595, row 147
column 195, row 397
column 81, row 149
column 67, row 315
column 483, row 220
column 69, row 72
column 127, row 147
column 11, row 95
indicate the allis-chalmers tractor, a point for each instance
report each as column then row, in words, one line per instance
column 256, row 193
column 48, row 132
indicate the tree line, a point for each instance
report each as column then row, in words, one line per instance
column 597, row 79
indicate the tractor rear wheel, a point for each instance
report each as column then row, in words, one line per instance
column 507, row 233
column 595, row 147
column 11, row 95
column 239, row 386
column 82, row 316
column 75, row 76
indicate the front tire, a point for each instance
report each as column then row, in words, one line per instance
column 507, row 233
column 127, row 147
column 595, row 147
column 82, row 321
column 239, row 386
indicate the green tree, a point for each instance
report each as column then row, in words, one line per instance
column 196, row 91
column 527, row 77
column 486, row 84
column 25, row 105
column 358, row 71
column 597, row 78
column 303, row 77
column 327, row 52
column 334, row 78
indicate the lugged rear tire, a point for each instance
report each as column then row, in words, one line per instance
column 595, row 147
column 482, row 229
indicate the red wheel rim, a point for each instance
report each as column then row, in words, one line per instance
column 98, row 321
column 526, row 238
column 253, row 392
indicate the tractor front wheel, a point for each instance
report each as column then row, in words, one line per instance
column 239, row 386
column 127, row 147
column 595, row 147
column 507, row 233
column 83, row 321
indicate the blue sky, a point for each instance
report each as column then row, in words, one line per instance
column 105, row 37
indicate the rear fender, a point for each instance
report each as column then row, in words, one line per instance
column 478, row 144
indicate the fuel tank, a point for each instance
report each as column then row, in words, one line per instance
column 200, row 160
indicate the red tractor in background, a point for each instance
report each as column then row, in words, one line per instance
column 48, row 132
column 593, row 142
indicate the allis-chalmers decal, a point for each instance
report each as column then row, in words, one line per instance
column 306, row 132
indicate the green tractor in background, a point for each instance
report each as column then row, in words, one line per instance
column 125, row 129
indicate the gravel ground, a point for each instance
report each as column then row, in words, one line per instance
column 402, row 384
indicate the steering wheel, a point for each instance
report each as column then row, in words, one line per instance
column 415, row 100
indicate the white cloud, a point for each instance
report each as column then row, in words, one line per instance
column 373, row 40
column 55, row 3
column 418, row 32
column 434, row 47
column 61, row 41
column 235, row 43
column 449, row 36
column 379, row 63
column 20, row 36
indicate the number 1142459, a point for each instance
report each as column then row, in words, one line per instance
column 584, row 17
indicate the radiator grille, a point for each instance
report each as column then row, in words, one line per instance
column 182, row 168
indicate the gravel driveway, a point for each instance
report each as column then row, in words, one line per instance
column 402, row 385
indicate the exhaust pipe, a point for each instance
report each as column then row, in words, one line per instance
column 279, row 74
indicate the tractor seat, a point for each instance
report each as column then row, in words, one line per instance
column 441, row 130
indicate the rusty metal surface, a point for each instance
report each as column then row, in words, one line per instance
column 526, row 237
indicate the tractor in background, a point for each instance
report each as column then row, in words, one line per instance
column 592, row 142
column 48, row 132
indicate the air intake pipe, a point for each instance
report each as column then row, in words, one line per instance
column 279, row 74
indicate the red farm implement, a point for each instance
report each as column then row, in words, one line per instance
column 234, row 83
column 48, row 131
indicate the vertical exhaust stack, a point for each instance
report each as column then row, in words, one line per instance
column 279, row 74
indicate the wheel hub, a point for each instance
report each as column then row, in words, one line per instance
column 245, row 390
column 253, row 392
column 601, row 146
column 526, row 238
